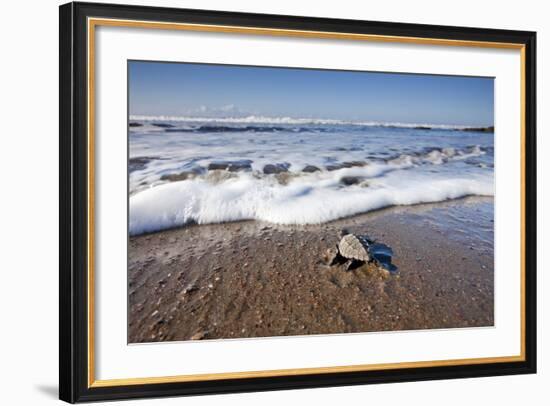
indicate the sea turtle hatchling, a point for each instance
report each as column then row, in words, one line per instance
column 359, row 249
column 355, row 247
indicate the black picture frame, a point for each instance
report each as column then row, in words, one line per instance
column 74, row 385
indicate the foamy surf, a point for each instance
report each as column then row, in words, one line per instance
column 309, row 199
column 322, row 172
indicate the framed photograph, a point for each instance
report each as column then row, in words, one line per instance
column 256, row 202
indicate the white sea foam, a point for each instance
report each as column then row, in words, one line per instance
column 352, row 169
column 311, row 199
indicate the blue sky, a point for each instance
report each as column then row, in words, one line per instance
column 202, row 90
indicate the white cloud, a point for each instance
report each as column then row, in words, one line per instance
column 228, row 110
column 229, row 107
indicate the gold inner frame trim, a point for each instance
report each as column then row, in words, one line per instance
column 94, row 22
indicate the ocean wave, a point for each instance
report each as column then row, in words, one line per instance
column 309, row 200
column 293, row 121
column 241, row 128
column 439, row 156
column 162, row 169
column 214, row 171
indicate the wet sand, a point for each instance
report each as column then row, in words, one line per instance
column 253, row 279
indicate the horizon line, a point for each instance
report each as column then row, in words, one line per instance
column 261, row 119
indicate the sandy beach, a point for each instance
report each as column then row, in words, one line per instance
column 257, row 279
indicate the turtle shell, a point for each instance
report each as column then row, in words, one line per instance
column 353, row 246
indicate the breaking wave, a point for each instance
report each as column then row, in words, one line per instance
column 313, row 199
column 294, row 171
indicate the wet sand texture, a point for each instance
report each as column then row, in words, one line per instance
column 253, row 279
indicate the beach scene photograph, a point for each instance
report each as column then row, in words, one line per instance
column 275, row 201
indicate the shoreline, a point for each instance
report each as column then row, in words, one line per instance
column 254, row 279
column 373, row 212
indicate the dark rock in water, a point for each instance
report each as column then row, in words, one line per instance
column 175, row 177
column 135, row 125
column 138, row 163
column 233, row 129
column 238, row 166
column 351, row 180
column 422, row 127
column 218, row 166
column 310, row 169
column 218, row 128
column 349, row 164
column 490, row 129
column 231, row 166
column 163, row 125
column 275, row 168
